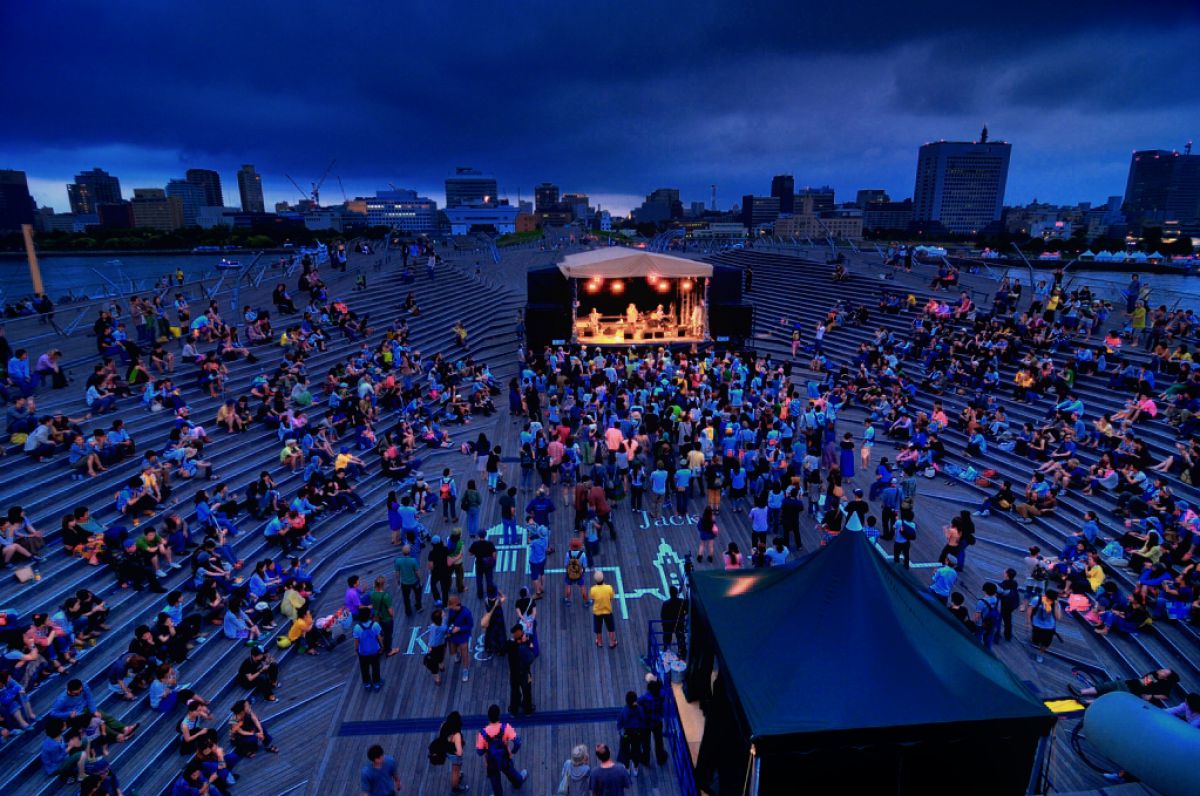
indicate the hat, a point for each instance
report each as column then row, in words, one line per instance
column 436, row 539
column 262, row 606
column 858, row 492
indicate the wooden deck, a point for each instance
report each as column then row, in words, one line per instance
column 577, row 687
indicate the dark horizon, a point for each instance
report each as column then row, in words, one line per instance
column 611, row 106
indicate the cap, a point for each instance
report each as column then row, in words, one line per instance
column 436, row 539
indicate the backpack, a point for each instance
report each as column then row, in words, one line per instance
column 497, row 750
column 368, row 640
column 439, row 749
column 445, row 490
column 574, row 566
column 990, row 615
column 718, row 481
column 908, row 529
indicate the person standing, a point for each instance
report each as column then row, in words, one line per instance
column 539, row 546
column 601, row 595
column 450, row 734
column 368, row 644
column 1042, row 616
column 383, row 613
column 471, row 501
column 905, row 531
column 459, row 624
column 575, row 564
column 575, row 773
column 653, row 705
column 439, row 571
column 631, row 724
column 485, row 564
column 521, row 650
column 674, row 621
column 495, row 744
column 658, row 490
column 1010, row 601
column 381, row 776
column 508, row 516
column 408, row 578
column 609, row 778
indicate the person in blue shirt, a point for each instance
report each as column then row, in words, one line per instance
column 541, row 507
column 658, row 489
column 683, row 480
column 381, row 776
column 19, row 373
column 77, row 708
column 59, row 758
column 944, row 578
column 539, row 541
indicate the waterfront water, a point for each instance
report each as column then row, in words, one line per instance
column 1168, row 289
column 64, row 274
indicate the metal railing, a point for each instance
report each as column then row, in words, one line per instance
column 681, row 756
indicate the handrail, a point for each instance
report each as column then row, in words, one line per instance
column 681, row 756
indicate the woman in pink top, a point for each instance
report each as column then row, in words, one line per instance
column 733, row 558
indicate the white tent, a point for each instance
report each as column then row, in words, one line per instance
column 1088, row 255
column 620, row 263
column 1139, row 257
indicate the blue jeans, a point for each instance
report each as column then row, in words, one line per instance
column 510, row 531
column 472, row 522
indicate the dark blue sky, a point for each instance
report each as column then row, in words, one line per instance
column 612, row 99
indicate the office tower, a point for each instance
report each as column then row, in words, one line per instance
column 16, row 203
column 783, row 187
column 191, row 199
column 662, row 204
column 210, row 182
column 870, row 196
column 1163, row 187
column 250, row 189
column 960, row 184
column 470, row 187
column 545, row 197
column 92, row 189
column 403, row 211
column 153, row 209
column 822, row 198
column 759, row 210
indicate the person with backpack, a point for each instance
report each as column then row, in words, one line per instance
column 631, row 723
column 447, row 747
column 575, row 564
column 526, row 462
column 1042, row 616
column 368, row 644
column 383, row 613
column 905, row 533
column 1010, row 601
column 447, row 494
column 987, row 615
column 470, row 503
column 496, row 744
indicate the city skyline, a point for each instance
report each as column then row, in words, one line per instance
column 719, row 95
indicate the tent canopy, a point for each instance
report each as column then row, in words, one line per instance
column 616, row 262
column 865, row 653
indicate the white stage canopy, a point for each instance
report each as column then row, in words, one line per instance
column 616, row 262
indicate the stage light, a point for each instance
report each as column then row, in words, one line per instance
column 618, row 287
column 663, row 287
column 687, row 285
column 652, row 280
column 592, row 287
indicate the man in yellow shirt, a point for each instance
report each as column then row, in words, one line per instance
column 601, row 595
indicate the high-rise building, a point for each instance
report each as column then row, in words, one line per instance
column 210, row 182
column 960, row 184
column 250, row 189
column 545, row 197
column 888, row 215
column 783, row 187
column 403, row 211
column 469, row 186
column 16, row 203
column 662, row 204
column 191, row 199
column 1163, row 186
column 870, row 196
column 92, row 189
column 822, row 198
column 153, row 209
column 759, row 210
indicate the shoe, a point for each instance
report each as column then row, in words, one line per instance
column 176, row 565
column 466, row 676
column 160, row 573
column 524, row 775
column 1040, row 659
column 1074, row 689
column 1115, row 776
column 633, row 772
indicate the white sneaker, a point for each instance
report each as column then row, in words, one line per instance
column 466, row 675
column 160, row 573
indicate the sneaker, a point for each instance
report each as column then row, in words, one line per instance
column 466, row 675
column 1040, row 659
column 524, row 775
column 633, row 772
column 176, row 565
column 161, row 573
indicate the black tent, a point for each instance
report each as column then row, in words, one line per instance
column 839, row 671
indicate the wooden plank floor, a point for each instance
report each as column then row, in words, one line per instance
column 572, row 675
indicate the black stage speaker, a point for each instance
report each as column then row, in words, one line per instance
column 547, row 325
column 733, row 321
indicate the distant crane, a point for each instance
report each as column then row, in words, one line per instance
column 714, row 198
column 343, row 189
column 315, row 193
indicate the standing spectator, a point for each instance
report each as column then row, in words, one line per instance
column 485, row 561
column 1010, row 600
column 1042, row 616
column 439, row 571
column 905, row 531
column 507, row 503
column 631, row 723
column 575, row 774
column 601, row 595
column 381, row 775
column 459, row 624
column 609, row 778
column 383, row 613
column 521, row 651
column 408, row 579
column 674, row 621
column 496, row 743
column 450, row 736
column 653, row 705
column 368, row 643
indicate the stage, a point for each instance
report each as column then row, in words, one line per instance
column 616, row 296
